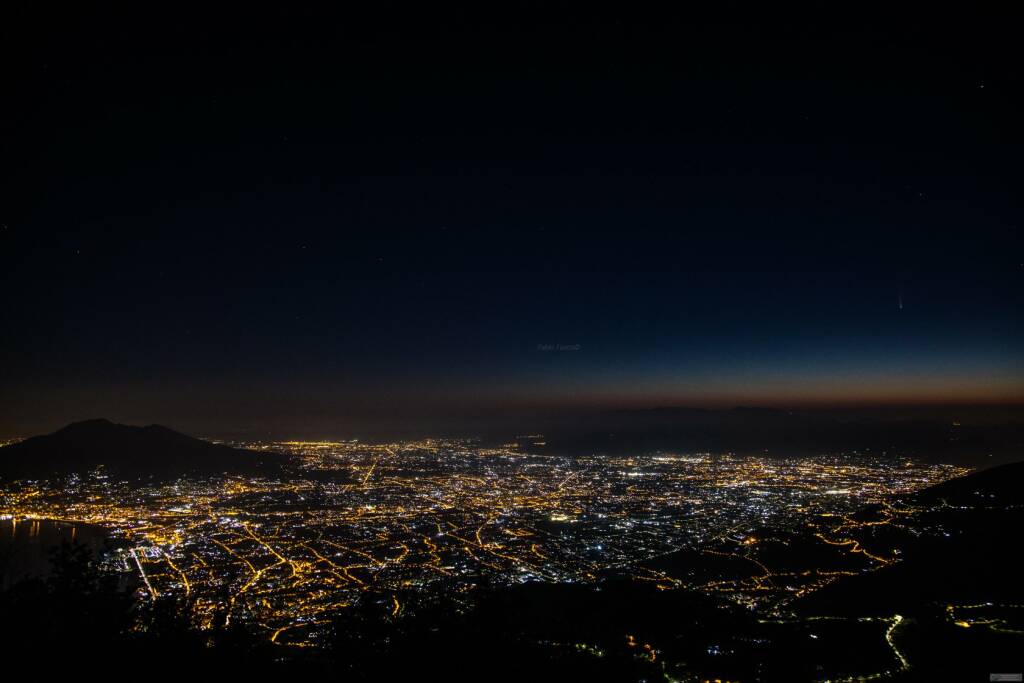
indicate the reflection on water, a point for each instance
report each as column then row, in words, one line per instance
column 25, row 545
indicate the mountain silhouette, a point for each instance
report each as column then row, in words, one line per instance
column 965, row 556
column 129, row 452
column 960, row 551
column 1001, row 485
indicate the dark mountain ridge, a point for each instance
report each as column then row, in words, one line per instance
column 1000, row 485
column 957, row 588
column 966, row 555
column 129, row 452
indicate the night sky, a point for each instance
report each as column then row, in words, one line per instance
column 314, row 223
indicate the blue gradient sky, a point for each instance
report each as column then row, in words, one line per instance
column 368, row 223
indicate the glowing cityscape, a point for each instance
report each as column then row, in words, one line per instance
column 409, row 520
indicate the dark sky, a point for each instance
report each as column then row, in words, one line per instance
column 325, row 221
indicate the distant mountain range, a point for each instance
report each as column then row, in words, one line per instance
column 129, row 452
column 965, row 437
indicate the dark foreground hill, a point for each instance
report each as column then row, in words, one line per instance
column 958, row 583
column 996, row 486
column 964, row 551
column 129, row 452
